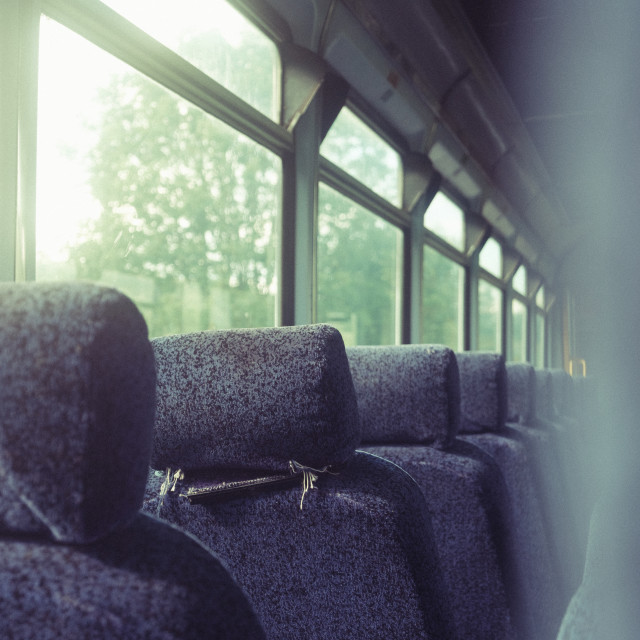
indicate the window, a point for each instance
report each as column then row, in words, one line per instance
column 442, row 300
column 519, row 331
column 358, row 150
column 519, row 282
column 446, row 220
column 489, row 317
column 491, row 257
column 357, row 271
column 214, row 37
column 141, row 190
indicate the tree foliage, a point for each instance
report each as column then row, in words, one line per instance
column 186, row 201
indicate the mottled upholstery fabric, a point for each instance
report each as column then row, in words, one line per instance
column 402, row 407
column 147, row 580
column 77, row 559
column 483, row 398
column 545, row 456
column 407, row 394
column 356, row 559
column 77, row 405
column 544, row 397
column 263, row 396
column 521, row 385
column 542, row 583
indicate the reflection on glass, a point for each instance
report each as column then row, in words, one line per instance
column 442, row 300
column 357, row 270
column 539, row 340
column 519, row 331
column 362, row 153
column 214, row 37
column 489, row 317
column 446, row 220
column 491, row 257
column 519, row 281
column 142, row 191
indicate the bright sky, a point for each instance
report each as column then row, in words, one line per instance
column 71, row 71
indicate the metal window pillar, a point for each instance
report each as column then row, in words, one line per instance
column 18, row 91
column 312, row 98
column 421, row 183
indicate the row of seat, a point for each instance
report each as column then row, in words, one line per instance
column 369, row 492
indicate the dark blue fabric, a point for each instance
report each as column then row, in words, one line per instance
column 77, row 559
column 485, row 374
column 406, row 396
column 356, row 558
column 357, row 561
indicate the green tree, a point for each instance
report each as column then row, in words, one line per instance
column 357, row 269
column 188, row 204
column 442, row 282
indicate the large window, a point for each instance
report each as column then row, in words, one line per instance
column 357, row 271
column 489, row 317
column 442, row 300
column 139, row 189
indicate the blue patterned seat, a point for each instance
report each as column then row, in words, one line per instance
column 77, row 558
column 409, row 397
column 544, row 446
column 483, row 411
column 262, row 425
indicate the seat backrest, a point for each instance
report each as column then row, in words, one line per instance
column 407, row 394
column 521, row 394
column 409, row 398
column 256, row 419
column 483, row 389
column 483, row 392
column 552, row 477
column 544, row 397
column 77, row 559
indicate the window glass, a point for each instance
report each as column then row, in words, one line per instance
column 442, row 300
column 539, row 340
column 491, row 257
column 540, row 298
column 489, row 317
column 519, row 281
column 140, row 190
column 357, row 271
column 362, row 153
column 446, row 220
column 519, row 331
column 214, row 37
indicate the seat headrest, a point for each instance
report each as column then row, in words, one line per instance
column 521, row 387
column 483, row 391
column 406, row 394
column 77, row 401
column 254, row 399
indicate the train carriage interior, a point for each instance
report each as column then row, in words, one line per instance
column 318, row 319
